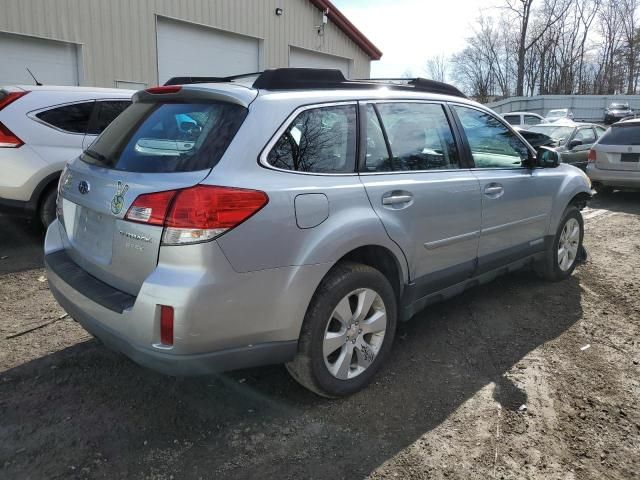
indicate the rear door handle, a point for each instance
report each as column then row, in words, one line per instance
column 396, row 199
column 493, row 190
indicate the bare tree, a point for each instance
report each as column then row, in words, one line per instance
column 550, row 13
column 628, row 14
column 436, row 67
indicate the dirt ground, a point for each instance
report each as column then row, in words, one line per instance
column 518, row 379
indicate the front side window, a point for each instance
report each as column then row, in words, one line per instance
column 531, row 120
column 585, row 135
column 419, row 136
column 319, row 140
column 492, row 144
column 72, row 118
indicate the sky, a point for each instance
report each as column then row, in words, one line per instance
column 410, row 31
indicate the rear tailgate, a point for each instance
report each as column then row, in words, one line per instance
column 153, row 146
column 619, row 148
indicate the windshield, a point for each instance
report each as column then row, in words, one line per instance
column 556, row 113
column 559, row 134
column 167, row 137
column 619, row 106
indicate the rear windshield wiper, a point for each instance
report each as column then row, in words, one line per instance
column 96, row 155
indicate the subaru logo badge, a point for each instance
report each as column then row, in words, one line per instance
column 83, row 187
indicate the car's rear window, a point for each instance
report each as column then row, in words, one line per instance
column 622, row 134
column 167, row 137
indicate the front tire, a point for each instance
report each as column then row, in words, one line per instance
column 560, row 261
column 347, row 332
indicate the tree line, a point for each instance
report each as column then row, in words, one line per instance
column 531, row 47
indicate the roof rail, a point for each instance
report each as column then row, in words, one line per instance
column 324, row 78
column 319, row 78
column 188, row 80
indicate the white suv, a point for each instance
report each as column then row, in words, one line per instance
column 41, row 128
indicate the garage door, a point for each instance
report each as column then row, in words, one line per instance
column 185, row 49
column 301, row 58
column 52, row 62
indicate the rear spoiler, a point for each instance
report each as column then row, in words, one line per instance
column 191, row 93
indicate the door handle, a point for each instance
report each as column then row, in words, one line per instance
column 396, row 199
column 493, row 190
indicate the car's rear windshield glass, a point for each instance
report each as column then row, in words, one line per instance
column 167, row 137
column 622, row 134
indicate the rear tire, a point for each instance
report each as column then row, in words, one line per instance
column 561, row 259
column 47, row 210
column 347, row 332
column 602, row 189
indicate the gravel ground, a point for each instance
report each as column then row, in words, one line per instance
column 518, row 379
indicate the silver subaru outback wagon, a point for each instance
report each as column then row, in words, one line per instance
column 297, row 220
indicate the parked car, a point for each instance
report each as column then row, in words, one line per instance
column 41, row 128
column 617, row 111
column 522, row 119
column 301, row 229
column 614, row 161
column 572, row 140
column 558, row 114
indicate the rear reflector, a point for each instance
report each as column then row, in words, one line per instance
column 10, row 98
column 592, row 156
column 8, row 138
column 164, row 89
column 166, row 325
column 196, row 214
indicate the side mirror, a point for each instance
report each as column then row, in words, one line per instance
column 547, row 158
column 574, row 143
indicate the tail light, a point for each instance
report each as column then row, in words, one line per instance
column 592, row 156
column 166, row 325
column 10, row 97
column 8, row 138
column 196, row 214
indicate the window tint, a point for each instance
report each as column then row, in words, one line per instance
column 167, row 137
column 106, row 112
column 320, row 140
column 492, row 144
column 531, row 120
column 419, row 136
column 377, row 157
column 512, row 119
column 586, row 135
column 622, row 134
column 70, row 118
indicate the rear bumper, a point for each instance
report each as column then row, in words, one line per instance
column 178, row 365
column 614, row 178
column 223, row 320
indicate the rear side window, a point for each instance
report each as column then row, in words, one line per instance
column 167, row 137
column 622, row 134
column 72, row 118
column 319, row 140
column 106, row 112
column 419, row 137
